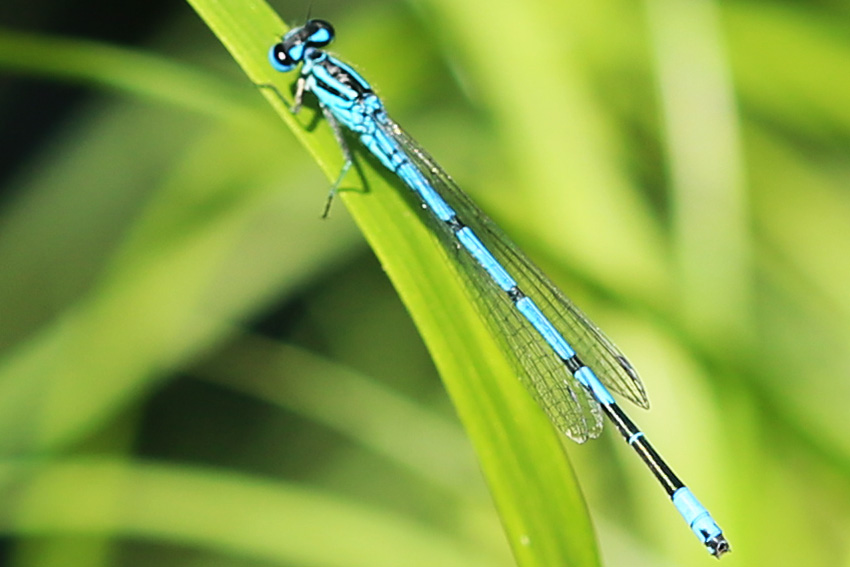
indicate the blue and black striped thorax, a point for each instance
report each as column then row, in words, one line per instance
column 334, row 83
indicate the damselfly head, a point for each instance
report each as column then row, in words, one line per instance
column 287, row 54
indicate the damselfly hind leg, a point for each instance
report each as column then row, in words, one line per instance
column 346, row 154
column 337, row 130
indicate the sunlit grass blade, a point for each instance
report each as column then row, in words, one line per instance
column 155, row 77
column 521, row 455
column 218, row 512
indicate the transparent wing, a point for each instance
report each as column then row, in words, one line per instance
column 539, row 367
column 567, row 404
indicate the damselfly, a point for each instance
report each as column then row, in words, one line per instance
column 568, row 364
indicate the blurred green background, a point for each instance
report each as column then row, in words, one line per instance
column 196, row 369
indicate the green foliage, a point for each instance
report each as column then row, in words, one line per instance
column 679, row 168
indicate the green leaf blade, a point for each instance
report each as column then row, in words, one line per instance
column 521, row 455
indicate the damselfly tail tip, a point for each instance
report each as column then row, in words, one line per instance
column 718, row 546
